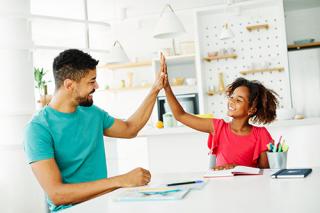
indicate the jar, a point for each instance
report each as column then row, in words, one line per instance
column 168, row 120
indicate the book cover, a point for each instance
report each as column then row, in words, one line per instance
column 152, row 194
column 238, row 170
column 292, row 173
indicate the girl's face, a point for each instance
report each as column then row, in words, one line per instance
column 238, row 103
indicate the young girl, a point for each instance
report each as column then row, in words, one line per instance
column 237, row 142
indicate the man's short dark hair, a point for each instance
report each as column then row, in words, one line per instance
column 72, row 64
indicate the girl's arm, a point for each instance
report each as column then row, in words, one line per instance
column 263, row 162
column 200, row 124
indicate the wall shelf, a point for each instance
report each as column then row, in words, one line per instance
column 257, row 27
column 215, row 93
column 127, row 65
column 181, row 89
column 253, row 71
column 178, row 59
column 227, row 56
column 171, row 60
column 303, row 46
column 125, row 89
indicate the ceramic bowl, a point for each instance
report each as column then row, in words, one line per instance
column 177, row 81
column 286, row 114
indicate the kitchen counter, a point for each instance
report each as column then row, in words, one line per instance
column 152, row 131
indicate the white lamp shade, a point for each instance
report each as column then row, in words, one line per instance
column 117, row 54
column 226, row 33
column 169, row 25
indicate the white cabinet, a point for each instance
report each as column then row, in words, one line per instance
column 305, row 81
column 180, row 67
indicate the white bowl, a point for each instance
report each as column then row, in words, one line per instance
column 286, row 114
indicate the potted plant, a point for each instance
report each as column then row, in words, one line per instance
column 42, row 86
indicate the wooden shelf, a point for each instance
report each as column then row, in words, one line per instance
column 276, row 69
column 127, row 65
column 303, row 46
column 213, row 93
column 182, row 89
column 212, row 58
column 257, row 27
column 178, row 59
column 177, row 89
column 115, row 90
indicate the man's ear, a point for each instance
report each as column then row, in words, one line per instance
column 68, row 84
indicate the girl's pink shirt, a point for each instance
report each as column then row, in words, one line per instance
column 231, row 148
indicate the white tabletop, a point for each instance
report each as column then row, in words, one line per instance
column 238, row 194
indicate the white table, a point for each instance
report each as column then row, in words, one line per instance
column 229, row 194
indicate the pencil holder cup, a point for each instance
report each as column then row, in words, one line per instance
column 277, row 160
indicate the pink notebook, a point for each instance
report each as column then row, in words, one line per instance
column 238, row 170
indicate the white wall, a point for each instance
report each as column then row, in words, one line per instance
column 303, row 144
column 19, row 190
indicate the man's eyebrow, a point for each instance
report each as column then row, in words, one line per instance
column 94, row 78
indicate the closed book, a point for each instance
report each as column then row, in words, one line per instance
column 238, row 170
column 292, row 173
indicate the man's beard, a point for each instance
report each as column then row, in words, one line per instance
column 86, row 102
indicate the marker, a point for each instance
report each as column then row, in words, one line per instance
column 183, row 183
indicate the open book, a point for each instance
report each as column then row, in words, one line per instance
column 238, row 170
column 152, row 194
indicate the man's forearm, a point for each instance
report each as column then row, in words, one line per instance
column 64, row 194
column 139, row 119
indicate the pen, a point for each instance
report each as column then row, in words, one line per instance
column 183, row 183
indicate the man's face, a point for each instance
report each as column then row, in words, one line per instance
column 85, row 88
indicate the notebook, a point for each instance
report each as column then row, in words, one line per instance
column 152, row 194
column 292, row 173
column 238, row 170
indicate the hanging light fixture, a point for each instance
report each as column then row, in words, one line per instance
column 169, row 25
column 226, row 32
column 117, row 54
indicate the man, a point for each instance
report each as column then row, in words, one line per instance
column 64, row 141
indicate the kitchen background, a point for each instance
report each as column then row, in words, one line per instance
column 223, row 40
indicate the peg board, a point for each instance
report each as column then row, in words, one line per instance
column 258, row 47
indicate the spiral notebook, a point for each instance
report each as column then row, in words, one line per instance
column 152, row 194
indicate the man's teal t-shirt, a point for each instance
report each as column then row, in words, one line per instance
column 74, row 140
